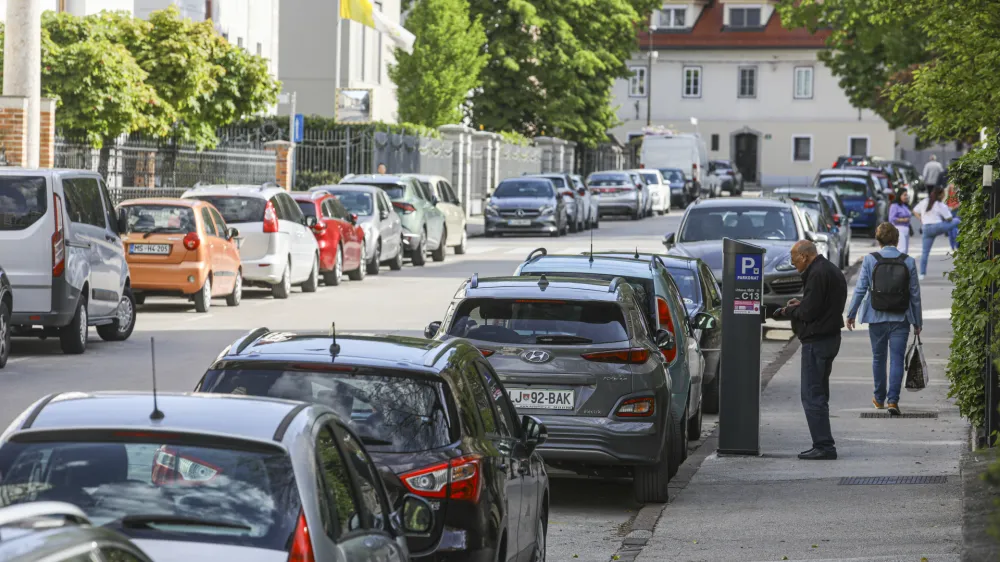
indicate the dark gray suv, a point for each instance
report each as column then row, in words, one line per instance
column 576, row 354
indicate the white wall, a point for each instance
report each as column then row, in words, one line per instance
column 254, row 23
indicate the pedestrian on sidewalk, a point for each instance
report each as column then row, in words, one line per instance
column 888, row 296
column 900, row 215
column 936, row 219
column 382, row 169
column 933, row 170
column 817, row 320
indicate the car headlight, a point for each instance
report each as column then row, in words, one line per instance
column 546, row 210
column 785, row 264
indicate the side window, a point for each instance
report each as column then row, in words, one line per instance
column 279, row 208
column 450, row 193
column 206, row 217
column 83, row 201
column 638, row 320
column 220, row 223
column 293, row 210
column 327, row 208
column 339, row 211
column 116, row 554
column 340, row 508
column 483, row 402
column 109, row 207
column 420, row 191
column 508, row 421
column 468, row 408
column 713, row 288
column 369, row 484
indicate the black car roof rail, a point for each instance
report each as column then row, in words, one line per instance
column 279, row 433
column 38, row 410
column 615, row 283
column 474, row 281
column 252, row 336
column 655, row 258
column 532, row 256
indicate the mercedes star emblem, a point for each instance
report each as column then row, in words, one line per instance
column 536, row 356
column 520, row 212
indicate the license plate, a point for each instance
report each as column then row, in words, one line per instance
column 519, row 222
column 156, row 249
column 542, row 398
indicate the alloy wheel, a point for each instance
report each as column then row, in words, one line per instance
column 82, row 328
column 4, row 337
column 125, row 312
column 338, row 265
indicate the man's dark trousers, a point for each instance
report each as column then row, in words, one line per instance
column 817, row 363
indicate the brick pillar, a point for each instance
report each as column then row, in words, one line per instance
column 283, row 169
column 47, row 142
column 13, row 137
column 145, row 169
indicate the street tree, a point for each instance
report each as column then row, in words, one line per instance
column 435, row 80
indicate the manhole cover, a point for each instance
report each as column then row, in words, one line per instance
column 885, row 415
column 891, row 480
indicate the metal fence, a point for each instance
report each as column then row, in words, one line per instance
column 120, row 194
column 604, row 157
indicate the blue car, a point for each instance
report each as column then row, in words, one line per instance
column 862, row 196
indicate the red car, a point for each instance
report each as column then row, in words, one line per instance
column 341, row 240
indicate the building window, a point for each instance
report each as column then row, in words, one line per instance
column 260, row 49
column 715, row 142
column 748, row 82
column 858, row 146
column 673, row 18
column 802, row 148
column 803, row 82
column 637, row 83
column 744, row 17
column 239, row 42
column 692, row 81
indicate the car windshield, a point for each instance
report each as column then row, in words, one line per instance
column 357, row 202
column 523, row 188
column 808, row 204
column 23, row 200
column 237, row 209
column 533, row 321
column 672, row 174
column 308, row 208
column 557, row 180
column 847, row 186
column 159, row 218
column 395, row 191
column 603, row 180
column 176, row 488
column 390, row 411
column 651, row 178
column 687, row 283
column 746, row 223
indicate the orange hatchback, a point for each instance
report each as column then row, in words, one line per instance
column 182, row 247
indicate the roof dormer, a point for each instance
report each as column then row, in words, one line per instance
column 747, row 14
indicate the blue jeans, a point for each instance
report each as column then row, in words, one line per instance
column 932, row 231
column 817, row 363
column 891, row 335
column 953, row 233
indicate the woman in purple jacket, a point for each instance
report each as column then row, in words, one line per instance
column 900, row 216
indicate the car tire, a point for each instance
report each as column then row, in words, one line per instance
column 203, row 298
column 359, row 273
column 396, row 263
column 541, row 532
column 490, row 234
column 419, row 256
column 375, row 264
column 678, row 434
column 573, row 227
column 695, row 423
column 710, row 395
column 463, row 245
column 597, row 221
column 122, row 327
column 650, row 482
column 234, row 298
column 333, row 278
column 4, row 334
column 312, row 282
column 73, row 336
column 140, row 299
column 556, row 233
column 283, row 287
column 441, row 252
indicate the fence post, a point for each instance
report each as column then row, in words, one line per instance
column 47, row 139
column 13, row 134
column 283, row 152
column 461, row 137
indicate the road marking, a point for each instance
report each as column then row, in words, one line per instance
column 199, row 317
column 479, row 250
column 523, row 251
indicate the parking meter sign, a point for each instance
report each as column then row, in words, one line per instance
column 749, row 267
column 746, row 307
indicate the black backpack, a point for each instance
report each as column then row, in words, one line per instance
column 890, row 284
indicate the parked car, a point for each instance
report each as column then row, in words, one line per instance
column 774, row 225
column 682, row 190
column 60, row 532
column 340, row 238
column 434, row 414
column 182, row 248
column 686, row 151
column 383, row 228
column 424, row 226
column 278, row 248
column 6, row 306
column 659, row 190
column 61, row 247
column 843, row 161
column 618, row 194
column 450, row 204
column 662, row 308
column 883, row 177
column 861, row 195
column 730, row 179
column 907, row 175
column 576, row 205
column 197, row 477
column 526, row 205
column 643, row 189
column 825, row 220
column 592, row 201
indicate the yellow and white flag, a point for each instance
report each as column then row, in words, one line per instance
column 363, row 12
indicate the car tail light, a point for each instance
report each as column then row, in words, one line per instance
column 633, row 356
column 170, row 467
column 457, row 479
column 834, row 165
column 404, row 208
column 486, row 352
column 694, row 168
column 319, row 227
column 58, row 239
column 836, row 219
column 302, row 549
column 869, row 203
column 637, row 408
column 568, row 193
column 191, row 241
column 270, row 218
column 667, row 323
column 892, row 196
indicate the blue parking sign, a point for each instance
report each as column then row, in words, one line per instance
column 749, row 267
column 300, row 127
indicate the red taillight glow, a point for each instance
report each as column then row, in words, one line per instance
column 633, row 356
column 637, row 408
column 319, row 227
column 170, row 467
column 836, row 219
column 191, row 241
column 404, row 208
column 869, row 203
column 568, row 193
column 58, row 239
column 486, row 352
column 457, row 479
column 270, row 218
column 667, row 323
column 834, row 165
column 302, row 549
column 892, row 197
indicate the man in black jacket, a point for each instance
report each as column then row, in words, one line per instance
column 817, row 320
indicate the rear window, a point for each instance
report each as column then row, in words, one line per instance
column 395, row 192
column 237, row 209
column 687, row 283
column 532, row 321
column 390, row 412
column 651, row 178
column 524, row 188
column 603, row 180
column 851, row 187
column 558, row 181
column 159, row 218
column 23, row 200
column 357, row 202
column 672, row 174
column 308, row 208
column 141, row 486
column 808, row 204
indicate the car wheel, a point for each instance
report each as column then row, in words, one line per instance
column 4, row 334
column 710, row 395
column 312, row 282
column 375, row 263
column 396, row 263
column 124, row 323
column 649, row 482
column 419, row 257
column 234, row 298
column 573, row 227
column 140, row 299
column 359, row 273
column 597, row 220
column 333, row 278
column 541, row 529
column 442, row 250
column 284, row 287
column 203, row 298
column 695, row 423
column 73, row 336
column 462, row 246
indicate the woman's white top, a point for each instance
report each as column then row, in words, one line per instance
column 937, row 213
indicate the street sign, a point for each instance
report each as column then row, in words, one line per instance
column 300, row 128
column 284, row 98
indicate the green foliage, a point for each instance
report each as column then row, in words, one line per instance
column 320, row 123
column 434, row 81
column 515, row 138
column 408, row 129
column 308, row 179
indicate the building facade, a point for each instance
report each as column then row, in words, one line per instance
column 759, row 94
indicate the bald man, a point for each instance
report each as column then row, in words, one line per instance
column 817, row 320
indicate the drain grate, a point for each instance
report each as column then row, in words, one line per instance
column 885, row 415
column 890, row 480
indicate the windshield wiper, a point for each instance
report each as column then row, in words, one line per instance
column 148, row 521
column 562, row 339
column 154, row 230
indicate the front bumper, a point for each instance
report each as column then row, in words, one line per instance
column 547, row 223
column 779, row 288
column 168, row 278
column 601, row 441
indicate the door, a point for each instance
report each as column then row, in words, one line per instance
column 222, row 280
column 432, row 214
column 87, row 231
column 348, row 234
column 746, row 156
column 390, row 227
column 455, row 214
column 228, row 250
column 113, row 246
column 711, row 340
column 292, row 221
column 27, row 223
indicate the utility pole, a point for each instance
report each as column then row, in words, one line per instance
column 649, row 78
column 23, row 67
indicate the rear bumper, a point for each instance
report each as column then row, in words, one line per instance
column 601, row 441
column 168, row 278
column 65, row 298
column 267, row 269
column 618, row 206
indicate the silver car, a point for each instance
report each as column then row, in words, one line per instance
column 590, row 201
column 383, row 229
column 618, row 193
column 60, row 532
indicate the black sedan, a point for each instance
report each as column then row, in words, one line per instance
column 433, row 413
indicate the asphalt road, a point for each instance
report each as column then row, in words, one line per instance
column 589, row 517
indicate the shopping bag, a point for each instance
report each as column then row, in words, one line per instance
column 918, row 376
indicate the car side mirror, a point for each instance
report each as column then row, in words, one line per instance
column 810, row 237
column 354, row 219
column 417, row 515
column 703, row 321
column 432, row 329
column 310, row 221
column 665, row 340
column 535, row 433
column 821, row 237
column 668, row 240
column 836, row 220
column 233, row 233
column 122, row 222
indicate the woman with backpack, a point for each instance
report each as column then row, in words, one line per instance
column 900, row 215
column 936, row 219
column 888, row 297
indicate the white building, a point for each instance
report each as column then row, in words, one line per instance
column 761, row 97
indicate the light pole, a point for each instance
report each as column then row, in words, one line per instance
column 649, row 78
column 23, row 68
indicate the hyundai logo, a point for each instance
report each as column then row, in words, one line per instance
column 520, row 212
column 536, row 356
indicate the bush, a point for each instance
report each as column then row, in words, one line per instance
column 308, row 179
column 515, row 138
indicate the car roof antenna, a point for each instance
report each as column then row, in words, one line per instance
column 157, row 414
column 637, row 252
column 591, row 245
column 334, row 347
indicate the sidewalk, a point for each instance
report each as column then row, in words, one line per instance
column 776, row 506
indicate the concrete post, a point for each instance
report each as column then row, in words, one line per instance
column 22, row 74
column 461, row 137
column 570, row 157
column 47, row 137
column 283, row 152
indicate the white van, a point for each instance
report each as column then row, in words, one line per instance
column 61, row 247
column 685, row 151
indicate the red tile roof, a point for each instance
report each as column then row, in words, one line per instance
column 709, row 33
